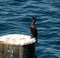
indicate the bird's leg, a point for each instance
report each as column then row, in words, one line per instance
column 32, row 37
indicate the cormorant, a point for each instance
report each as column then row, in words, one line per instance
column 33, row 28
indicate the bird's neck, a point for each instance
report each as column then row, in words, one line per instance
column 33, row 22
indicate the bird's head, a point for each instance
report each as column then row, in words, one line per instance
column 34, row 17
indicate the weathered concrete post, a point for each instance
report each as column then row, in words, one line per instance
column 17, row 46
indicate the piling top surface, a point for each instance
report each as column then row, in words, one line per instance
column 17, row 39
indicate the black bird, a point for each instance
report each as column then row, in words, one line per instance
column 33, row 28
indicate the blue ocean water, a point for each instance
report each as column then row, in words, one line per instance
column 16, row 17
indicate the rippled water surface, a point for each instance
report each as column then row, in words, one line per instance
column 16, row 17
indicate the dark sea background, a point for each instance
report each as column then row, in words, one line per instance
column 16, row 17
